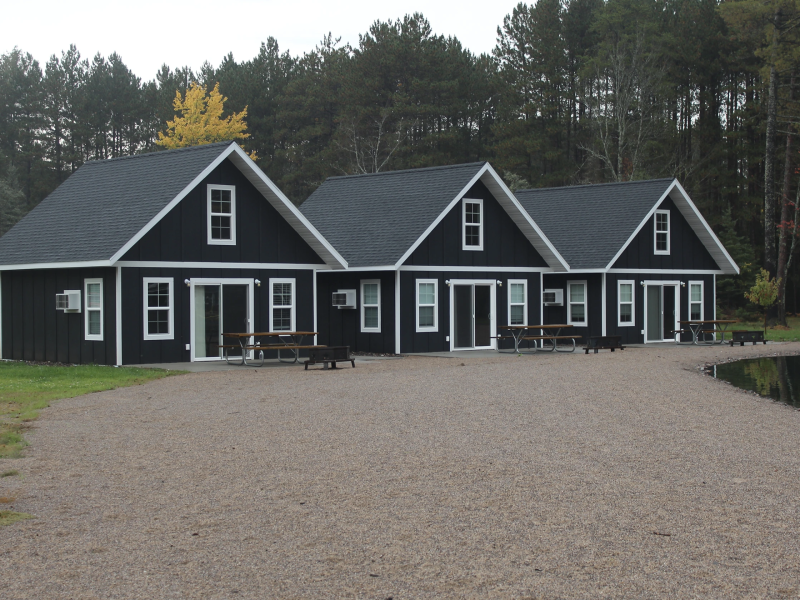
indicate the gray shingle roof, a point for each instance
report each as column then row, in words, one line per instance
column 588, row 224
column 373, row 219
column 103, row 205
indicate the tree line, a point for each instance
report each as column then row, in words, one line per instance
column 575, row 91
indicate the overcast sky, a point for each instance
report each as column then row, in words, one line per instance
column 149, row 33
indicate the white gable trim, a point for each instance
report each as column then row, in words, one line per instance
column 696, row 222
column 270, row 192
column 509, row 202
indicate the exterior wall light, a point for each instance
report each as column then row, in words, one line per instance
column 258, row 282
column 187, row 282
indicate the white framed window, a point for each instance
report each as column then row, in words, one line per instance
column 371, row 305
column 472, row 228
column 282, row 305
column 661, row 237
column 427, row 305
column 625, row 303
column 517, row 302
column 159, row 318
column 695, row 300
column 576, row 303
column 222, row 215
column 93, row 292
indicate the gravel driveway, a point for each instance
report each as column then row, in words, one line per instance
column 625, row 475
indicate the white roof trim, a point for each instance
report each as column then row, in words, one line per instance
column 163, row 212
column 270, row 192
column 538, row 240
column 696, row 222
column 287, row 209
column 57, row 265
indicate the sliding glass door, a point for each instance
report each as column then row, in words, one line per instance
column 472, row 315
column 218, row 307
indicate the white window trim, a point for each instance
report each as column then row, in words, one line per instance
column 585, row 322
column 88, row 336
column 524, row 283
column 272, row 306
column 370, row 329
column 232, row 241
column 632, row 283
column 702, row 298
column 464, row 203
column 170, row 310
column 656, row 232
column 435, row 305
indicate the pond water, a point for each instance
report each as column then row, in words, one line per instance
column 776, row 377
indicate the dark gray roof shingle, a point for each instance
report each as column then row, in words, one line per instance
column 372, row 220
column 588, row 224
column 103, row 205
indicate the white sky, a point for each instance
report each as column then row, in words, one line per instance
column 149, row 33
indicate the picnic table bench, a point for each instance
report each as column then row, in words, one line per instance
column 520, row 333
column 740, row 337
column 269, row 340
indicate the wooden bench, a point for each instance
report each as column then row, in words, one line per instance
column 740, row 337
column 329, row 355
column 604, row 342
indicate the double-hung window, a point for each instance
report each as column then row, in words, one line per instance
column 158, row 308
column 662, row 232
column 371, row 305
column 695, row 300
column 281, row 305
column 472, row 217
column 93, row 292
column 517, row 302
column 576, row 304
column 222, row 215
column 625, row 303
column 427, row 305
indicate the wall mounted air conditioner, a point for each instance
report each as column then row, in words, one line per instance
column 553, row 297
column 69, row 301
column 344, row 299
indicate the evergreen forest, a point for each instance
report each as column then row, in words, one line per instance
column 574, row 92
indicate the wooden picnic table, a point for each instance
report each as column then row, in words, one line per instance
column 550, row 332
column 697, row 327
column 269, row 340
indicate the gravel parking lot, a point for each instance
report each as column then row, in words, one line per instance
column 625, row 475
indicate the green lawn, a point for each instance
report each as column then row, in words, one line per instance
column 26, row 389
column 792, row 334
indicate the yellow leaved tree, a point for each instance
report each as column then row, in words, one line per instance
column 198, row 120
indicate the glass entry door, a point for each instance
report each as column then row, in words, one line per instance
column 218, row 308
column 472, row 316
column 661, row 313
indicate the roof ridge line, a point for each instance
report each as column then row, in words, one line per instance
column 156, row 153
column 582, row 185
column 412, row 170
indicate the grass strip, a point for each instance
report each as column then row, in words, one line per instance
column 774, row 334
column 7, row 517
column 25, row 389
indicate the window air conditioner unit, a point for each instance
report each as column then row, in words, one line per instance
column 69, row 301
column 344, row 298
column 553, row 297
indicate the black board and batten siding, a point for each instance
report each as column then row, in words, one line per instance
column 633, row 334
column 262, row 234
column 436, row 341
column 503, row 242
column 33, row 329
column 594, row 302
column 137, row 350
column 686, row 251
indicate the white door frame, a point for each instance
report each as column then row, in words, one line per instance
column 654, row 282
column 218, row 281
column 492, row 283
